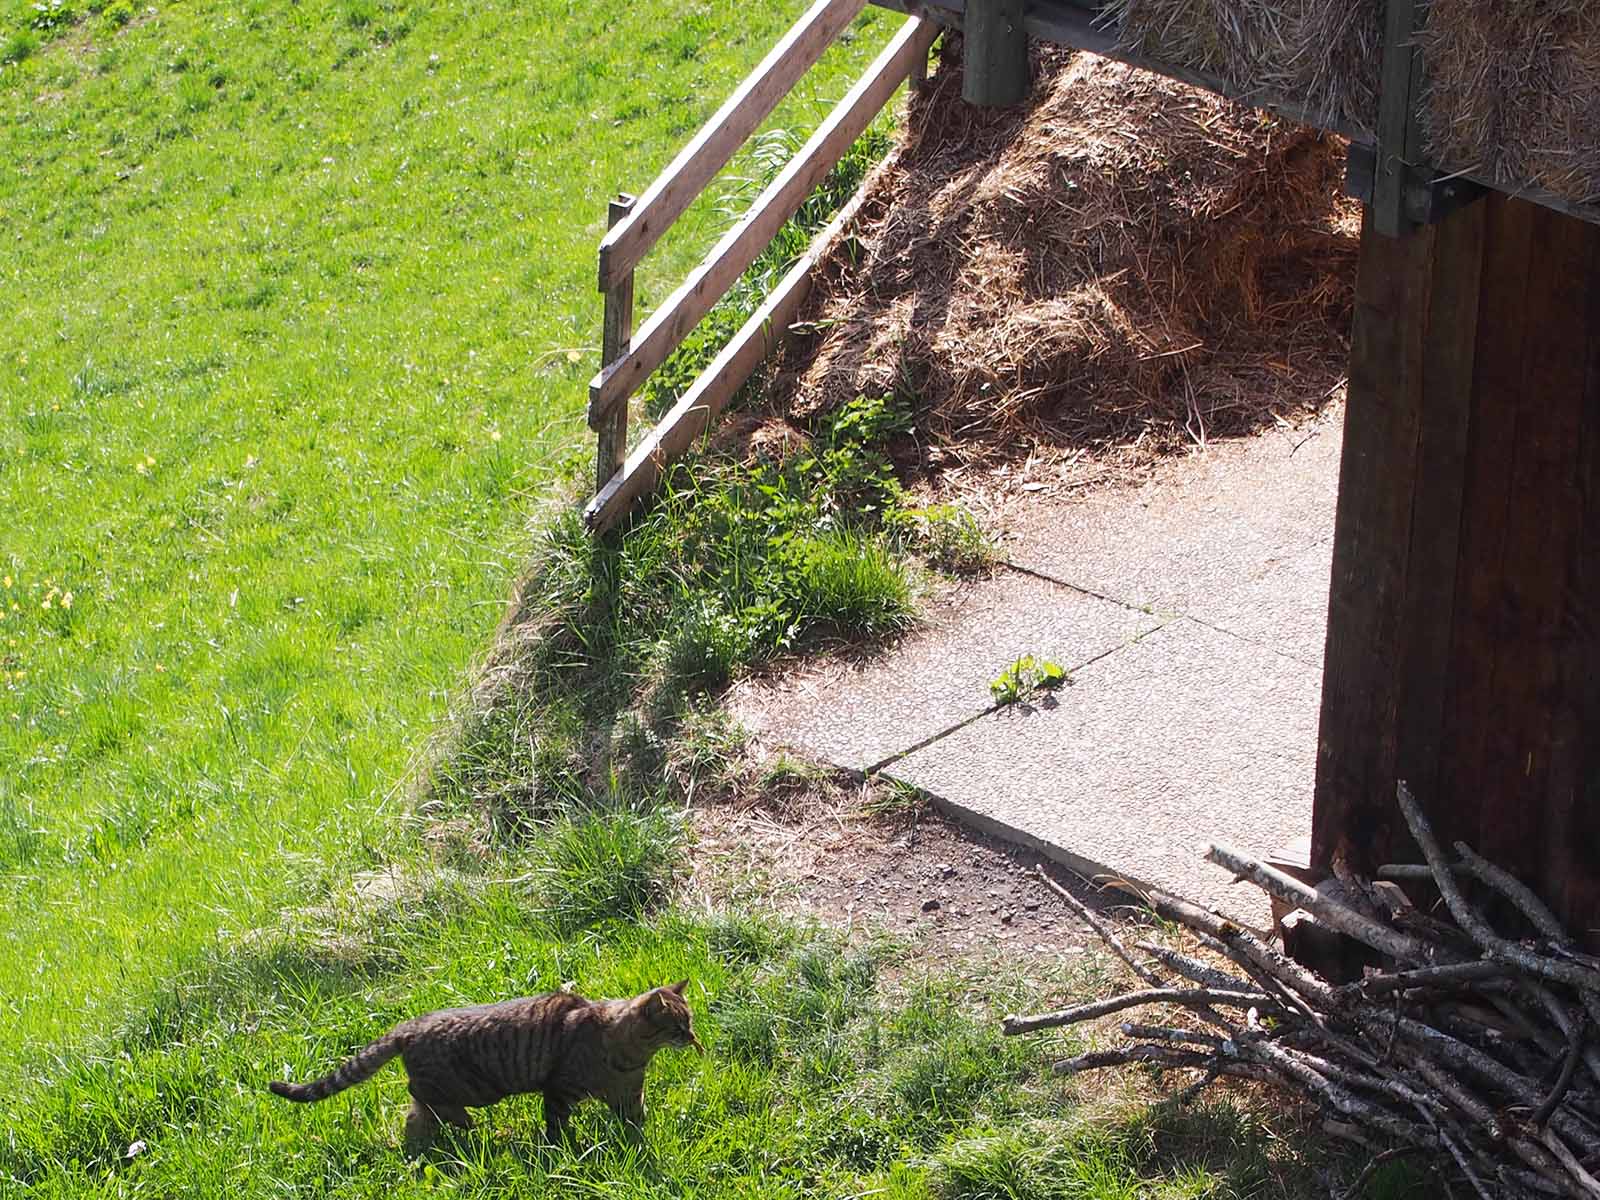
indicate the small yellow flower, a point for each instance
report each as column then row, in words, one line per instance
column 159, row 667
column 141, row 468
column 8, row 581
column 494, row 436
column 66, row 600
column 149, row 460
column 574, row 356
column 45, row 603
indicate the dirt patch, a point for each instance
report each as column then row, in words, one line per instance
column 911, row 873
column 1120, row 267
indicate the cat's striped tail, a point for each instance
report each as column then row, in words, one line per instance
column 349, row 1073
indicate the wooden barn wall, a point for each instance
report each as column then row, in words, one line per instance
column 1463, row 649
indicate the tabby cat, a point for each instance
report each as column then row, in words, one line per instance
column 559, row 1044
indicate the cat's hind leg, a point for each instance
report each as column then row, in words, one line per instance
column 421, row 1126
column 556, row 1112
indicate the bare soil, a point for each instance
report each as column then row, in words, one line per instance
column 912, row 873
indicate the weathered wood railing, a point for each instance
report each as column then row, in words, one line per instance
column 637, row 224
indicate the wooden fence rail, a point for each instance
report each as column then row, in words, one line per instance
column 686, row 176
column 698, row 407
column 628, row 361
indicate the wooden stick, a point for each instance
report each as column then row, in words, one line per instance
column 1453, row 974
column 1336, row 916
column 1244, row 945
column 1107, row 935
column 1519, row 893
column 1187, row 997
column 616, row 332
column 1558, row 1093
column 1192, row 968
column 1170, row 1033
column 1167, row 1056
column 1470, row 920
column 1568, row 1160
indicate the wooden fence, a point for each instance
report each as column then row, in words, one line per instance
column 628, row 358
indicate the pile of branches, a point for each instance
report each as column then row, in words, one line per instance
column 1464, row 1044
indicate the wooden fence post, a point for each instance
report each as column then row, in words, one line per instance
column 616, row 333
column 996, row 62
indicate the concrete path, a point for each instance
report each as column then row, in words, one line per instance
column 1191, row 613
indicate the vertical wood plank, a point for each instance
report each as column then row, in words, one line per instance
column 1544, row 538
column 1377, row 478
column 1481, row 623
column 1449, row 299
column 1573, row 831
column 1396, row 126
column 616, row 333
column 1539, row 466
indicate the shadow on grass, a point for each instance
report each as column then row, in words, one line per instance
column 1217, row 1149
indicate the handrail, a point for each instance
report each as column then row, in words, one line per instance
column 665, row 200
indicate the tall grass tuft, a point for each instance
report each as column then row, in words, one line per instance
column 603, row 866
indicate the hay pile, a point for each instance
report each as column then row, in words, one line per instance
column 1119, row 267
column 1514, row 92
column 1324, row 54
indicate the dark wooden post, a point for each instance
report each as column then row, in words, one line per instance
column 996, row 63
column 616, row 332
column 1463, row 649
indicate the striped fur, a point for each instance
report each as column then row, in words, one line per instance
column 559, row 1044
column 349, row 1073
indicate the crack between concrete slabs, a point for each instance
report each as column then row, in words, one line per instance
column 941, row 734
column 1164, row 619
column 1085, row 591
column 1250, row 641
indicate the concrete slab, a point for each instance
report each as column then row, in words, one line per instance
column 1195, row 626
column 1186, row 736
column 1282, row 605
column 859, row 715
column 1197, row 529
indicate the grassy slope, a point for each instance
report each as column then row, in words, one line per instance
column 288, row 292
column 813, row 1084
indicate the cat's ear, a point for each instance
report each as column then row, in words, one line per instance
column 677, row 988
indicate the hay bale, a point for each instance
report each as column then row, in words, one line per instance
column 1324, row 54
column 1513, row 92
column 1119, row 266
column 1512, row 87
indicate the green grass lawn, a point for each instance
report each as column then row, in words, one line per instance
column 298, row 310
